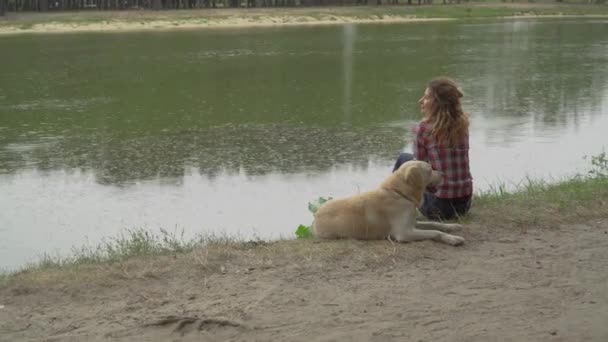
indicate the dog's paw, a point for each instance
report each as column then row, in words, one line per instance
column 455, row 227
column 453, row 240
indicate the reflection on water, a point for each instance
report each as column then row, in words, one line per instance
column 252, row 149
column 552, row 156
column 348, row 60
column 76, row 206
column 236, row 131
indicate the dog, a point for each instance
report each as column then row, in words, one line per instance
column 388, row 212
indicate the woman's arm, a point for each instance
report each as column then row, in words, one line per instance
column 420, row 143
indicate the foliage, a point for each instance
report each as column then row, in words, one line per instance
column 316, row 204
column 599, row 165
column 303, row 231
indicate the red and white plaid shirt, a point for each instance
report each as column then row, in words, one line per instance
column 453, row 162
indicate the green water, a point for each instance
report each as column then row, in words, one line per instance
column 235, row 130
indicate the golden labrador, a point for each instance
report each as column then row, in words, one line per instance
column 387, row 212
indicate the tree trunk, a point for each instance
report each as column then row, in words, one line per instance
column 2, row 7
column 44, row 5
column 157, row 4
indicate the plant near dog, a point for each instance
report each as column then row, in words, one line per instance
column 303, row 231
column 599, row 165
column 314, row 206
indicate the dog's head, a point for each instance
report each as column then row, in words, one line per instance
column 411, row 179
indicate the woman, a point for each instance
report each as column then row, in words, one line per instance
column 442, row 140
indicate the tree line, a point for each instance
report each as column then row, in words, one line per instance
column 49, row 5
column 63, row 5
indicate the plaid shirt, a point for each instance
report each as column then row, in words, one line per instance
column 453, row 162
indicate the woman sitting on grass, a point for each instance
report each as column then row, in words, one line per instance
column 442, row 140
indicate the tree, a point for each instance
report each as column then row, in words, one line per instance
column 2, row 7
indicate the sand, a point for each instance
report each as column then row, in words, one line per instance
column 537, row 285
column 185, row 24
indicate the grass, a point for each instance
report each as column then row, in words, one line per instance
column 542, row 205
column 123, row 257
column 140, row 254
column 463, row 11
column 135, row 243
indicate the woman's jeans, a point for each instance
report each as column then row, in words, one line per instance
column 436, row 208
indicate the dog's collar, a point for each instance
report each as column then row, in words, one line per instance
column 413, row 200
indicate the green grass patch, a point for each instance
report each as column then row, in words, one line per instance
column 542, row 205
column 133, row 243
column 537, row 203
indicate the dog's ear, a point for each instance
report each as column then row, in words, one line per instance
column 416, row 183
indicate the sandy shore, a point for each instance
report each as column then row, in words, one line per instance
column 230, row 22
column 145, row 20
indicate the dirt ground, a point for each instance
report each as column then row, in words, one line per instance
column 537, row 285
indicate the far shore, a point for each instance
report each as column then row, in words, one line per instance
column 230, row 22
column 147, row 20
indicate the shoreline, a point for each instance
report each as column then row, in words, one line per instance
column 167, row 20
column 230, row 23
column 544, row 252
column 584, row 193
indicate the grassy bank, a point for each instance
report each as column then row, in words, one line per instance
column 199, row 18
column 141, row 254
